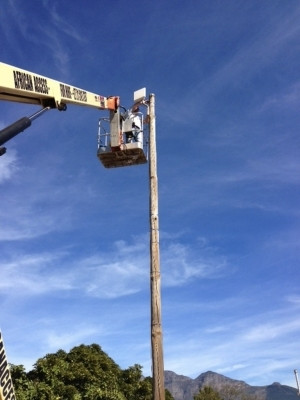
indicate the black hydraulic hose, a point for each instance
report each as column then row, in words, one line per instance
column 12, row 130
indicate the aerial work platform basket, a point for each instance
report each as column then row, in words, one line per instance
column 122, row 158
column 122, row 140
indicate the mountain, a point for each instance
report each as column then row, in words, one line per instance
column 184, row 388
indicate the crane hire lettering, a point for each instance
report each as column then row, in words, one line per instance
column 76, row 94
column 31, row 83
column 6, row 385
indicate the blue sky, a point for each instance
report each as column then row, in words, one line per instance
column 74, row 236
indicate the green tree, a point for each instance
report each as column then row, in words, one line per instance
column 207, row 393
column 85, row 373
column 133, row 385
column 231, row 392
column 168, row 395
column 23, row 386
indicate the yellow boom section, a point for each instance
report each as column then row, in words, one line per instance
column 27, row 87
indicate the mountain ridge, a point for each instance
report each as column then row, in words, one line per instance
column 184, row 388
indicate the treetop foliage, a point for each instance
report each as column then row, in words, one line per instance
column 85, row 373
column 227, row 392
column 207, row 393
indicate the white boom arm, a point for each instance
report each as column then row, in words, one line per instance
column 6, row 386
column 27, row 87
column 23, row 86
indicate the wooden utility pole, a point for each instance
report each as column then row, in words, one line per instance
column 156, row 326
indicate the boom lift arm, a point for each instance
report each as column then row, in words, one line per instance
column 26, row 87
column 22, row 86
column 7, row 391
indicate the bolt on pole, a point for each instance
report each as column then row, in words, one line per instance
column 156, row 326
